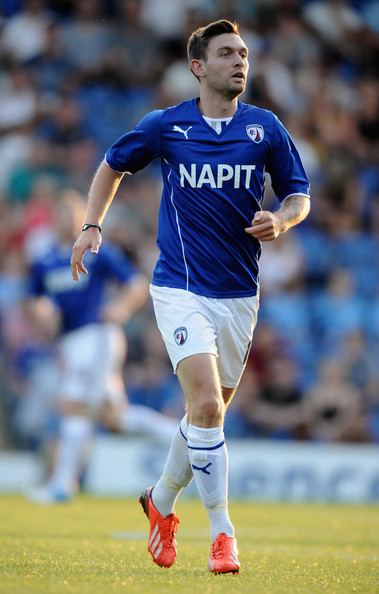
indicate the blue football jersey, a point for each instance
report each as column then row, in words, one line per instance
column 79, row 302
column 212, row 186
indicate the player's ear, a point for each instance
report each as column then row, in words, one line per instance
column 197, row 68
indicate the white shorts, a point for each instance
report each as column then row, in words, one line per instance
column 191, row 324
column 92, row 359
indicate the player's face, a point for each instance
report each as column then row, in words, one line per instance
column 226, row 65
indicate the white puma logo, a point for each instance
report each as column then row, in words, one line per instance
column 179, row 129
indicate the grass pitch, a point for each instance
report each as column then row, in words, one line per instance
column 98, row 546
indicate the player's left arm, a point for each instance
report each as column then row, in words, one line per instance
column 267, row 225
column 289, row 182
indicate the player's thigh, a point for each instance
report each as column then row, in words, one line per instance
column 186, row 327
column 234, row 340
column 199, row 377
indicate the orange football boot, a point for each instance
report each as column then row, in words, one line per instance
column 161, row 543
column 224, row 555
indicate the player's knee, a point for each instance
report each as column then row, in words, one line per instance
column 207, row 412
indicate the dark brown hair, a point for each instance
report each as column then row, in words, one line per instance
column 198, row 41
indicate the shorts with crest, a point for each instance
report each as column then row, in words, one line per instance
column 191, row 324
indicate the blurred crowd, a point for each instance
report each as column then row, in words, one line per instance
column 74, row 76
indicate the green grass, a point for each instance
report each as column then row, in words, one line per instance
column 98, row 546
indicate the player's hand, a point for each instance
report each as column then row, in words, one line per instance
column 87, row 240
column 265, row 226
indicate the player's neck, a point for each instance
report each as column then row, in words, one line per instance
column 214, row 106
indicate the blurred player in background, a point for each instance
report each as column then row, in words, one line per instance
column 214, row 153
column 92, row 349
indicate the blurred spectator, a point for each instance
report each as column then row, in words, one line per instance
column 368, row 127
column 134, row 43
column 335, row 21
column 24, row 34
column 86, row 36
column 360, row 362
column 66, row 124
column 18, row 115
column 275, row 84
column 292, row 43
column 281, row 265
column 81, row 159
column 370, row 14
column 12, row 280
column 275, row 408
column 333, row 408
column 43, row 162
column 290, row 312
column 52, row 68
column 167, row 19
column 338, row 311
column 177, row 84
column 307, row 145
column 38, row 230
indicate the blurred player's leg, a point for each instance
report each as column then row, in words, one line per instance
column 74, row 440
column 115, row 414
column 143, row 419
column 86, row 358
column 74, row 443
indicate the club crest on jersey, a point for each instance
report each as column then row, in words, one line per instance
column 180, row 335
column 255, row 132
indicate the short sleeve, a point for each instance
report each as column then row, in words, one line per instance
column 137, row 148
column 284, row 165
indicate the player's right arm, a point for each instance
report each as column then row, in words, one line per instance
column 130, row 153
column 101, row 193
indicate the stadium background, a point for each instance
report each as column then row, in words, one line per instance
column 75, row 75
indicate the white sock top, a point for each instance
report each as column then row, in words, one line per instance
column 205, row 436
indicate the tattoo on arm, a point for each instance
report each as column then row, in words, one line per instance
column 293, row 210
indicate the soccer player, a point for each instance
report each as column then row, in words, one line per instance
column 214, row 153
column 92, row 347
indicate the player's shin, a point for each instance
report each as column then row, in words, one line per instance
column 209, row 461
column 176, row 474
